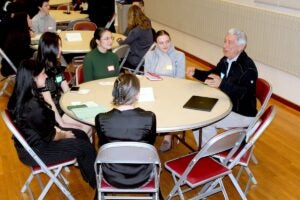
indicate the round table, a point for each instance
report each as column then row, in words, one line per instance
column 59, row 2
column 60, row 16
column 170, row 95
column 82, row 46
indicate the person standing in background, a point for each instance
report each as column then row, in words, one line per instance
column 139, row 3
column 101, row 11
column 236, row 76
column 16, row 41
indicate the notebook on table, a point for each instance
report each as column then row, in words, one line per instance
column 201, row 103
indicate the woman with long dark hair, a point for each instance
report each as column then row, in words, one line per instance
column 48, row 56
column 15, row 41
column 36, row 121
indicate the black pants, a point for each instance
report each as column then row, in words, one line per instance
column 55, row 151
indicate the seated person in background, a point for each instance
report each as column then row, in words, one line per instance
column 100, row 62
column 126, row 123
column 235, row 75
column 49, row 53
column 140, row 36
column 42, row 21
column 139, row 3
column 165, row 60
column 16, row 41
column 36, row 121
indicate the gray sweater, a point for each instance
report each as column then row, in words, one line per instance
column 170, row 64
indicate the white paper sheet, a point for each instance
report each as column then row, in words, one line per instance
column 146, row 94
column 73, row 37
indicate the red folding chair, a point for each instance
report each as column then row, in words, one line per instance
column 79, row 75
column 243, row 155
column 199, row 168
column 85, row 26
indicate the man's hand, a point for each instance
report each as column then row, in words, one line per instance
column 213, row 80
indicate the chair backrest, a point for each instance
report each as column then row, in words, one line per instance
column 137, row 69
column 11, row 126
column 263, row 94
column 258, row 129
column 85, row 26
column 11, row 64
column 71, row 23
column 128, row 153
column 79, row 75
column 122, row 52
column 230, row 139
column 109, row 23
column 65, row 7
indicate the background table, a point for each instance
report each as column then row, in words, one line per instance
column 60, row 16
column 58, row 2
column 170, row 96
column 82, row 46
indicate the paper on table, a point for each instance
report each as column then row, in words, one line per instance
column 91, row 104
column 153, row 76
column 104, row 83
column 73, row 37
column 88, row 113
column 146, row 94
column 83, row 91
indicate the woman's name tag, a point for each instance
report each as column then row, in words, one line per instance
column 111, row 68
column 169, row 67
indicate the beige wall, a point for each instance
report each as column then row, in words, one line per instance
column 284, row 84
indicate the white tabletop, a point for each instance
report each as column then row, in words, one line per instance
column 82, row 46
column 170, row 96
column 60, row 16
column 58, row 2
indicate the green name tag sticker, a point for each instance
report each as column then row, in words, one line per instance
column 58, row 78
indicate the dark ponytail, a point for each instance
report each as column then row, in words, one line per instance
column 97, row 36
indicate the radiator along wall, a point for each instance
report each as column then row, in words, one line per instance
column 208, row 47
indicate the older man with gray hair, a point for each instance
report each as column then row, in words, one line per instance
column 235, row 75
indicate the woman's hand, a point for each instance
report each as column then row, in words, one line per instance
column 119, row 40
column 68, row 134
column 61, row 134
column 190, row 71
